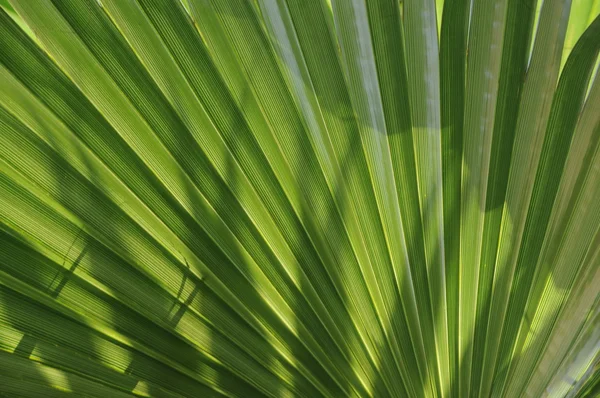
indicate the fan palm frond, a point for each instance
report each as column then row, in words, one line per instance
column 299, row 198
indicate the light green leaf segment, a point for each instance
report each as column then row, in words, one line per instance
column 292, row 198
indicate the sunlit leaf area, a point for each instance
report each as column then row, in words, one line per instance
column 300, row 198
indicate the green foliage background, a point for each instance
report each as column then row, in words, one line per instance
column 299, row 198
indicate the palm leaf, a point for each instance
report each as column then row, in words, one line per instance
column 288, row 198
